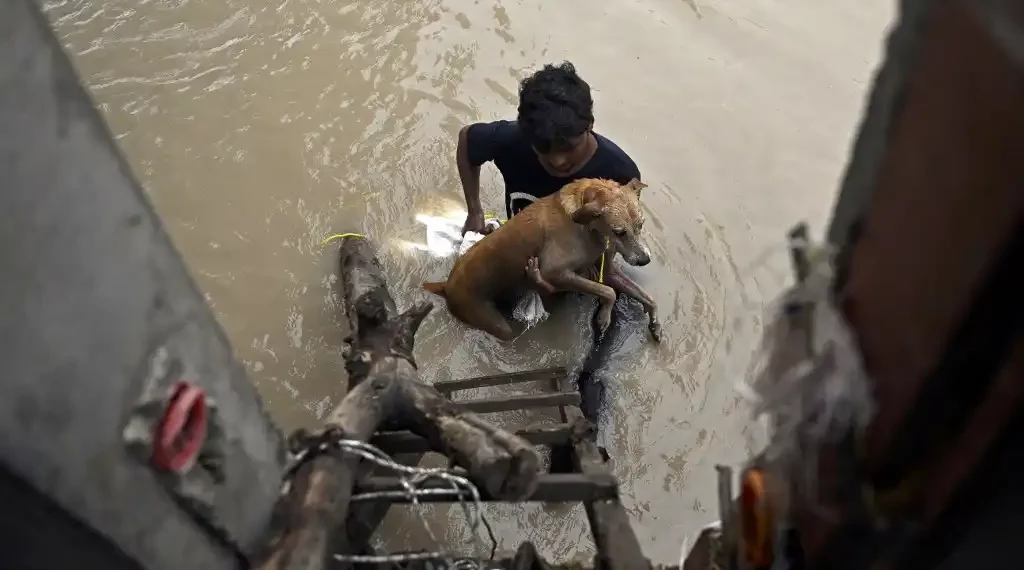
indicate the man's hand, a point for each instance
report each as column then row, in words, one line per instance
column 537, row 278
column 474, row 223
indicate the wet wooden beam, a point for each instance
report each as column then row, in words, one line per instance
column 398, row 442
column 561, row 454
column 525, row 558
column 560, row 488
column 531, row 401
column 616, row 543
column 542, row 375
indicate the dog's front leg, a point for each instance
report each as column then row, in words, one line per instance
column 568, row 280
column 622, row 283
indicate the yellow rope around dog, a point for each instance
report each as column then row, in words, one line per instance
column 341, row 236
column 600, row 273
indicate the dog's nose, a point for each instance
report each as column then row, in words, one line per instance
column 642, row 259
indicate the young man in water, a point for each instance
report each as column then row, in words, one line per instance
column 551, row 143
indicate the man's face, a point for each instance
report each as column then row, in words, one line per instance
column 566, row 159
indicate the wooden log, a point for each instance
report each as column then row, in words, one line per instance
column 560, row 488
column 364, row 518
column 503, row 464
column 317, row 503
column 368, row 305
column 506, row 465
column 384, row 390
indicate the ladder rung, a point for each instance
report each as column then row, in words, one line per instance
column 504, row 404
column 555, row 488
column 394, row 442
column 450, row 386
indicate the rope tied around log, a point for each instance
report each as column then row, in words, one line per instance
column 305, row 446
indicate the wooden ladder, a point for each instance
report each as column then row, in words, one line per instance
column 578, row 473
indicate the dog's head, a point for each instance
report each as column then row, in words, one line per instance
column 614, row 211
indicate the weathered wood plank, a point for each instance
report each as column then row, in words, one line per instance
column 398, row 442
column 526, row 558
column 449, row 386
column 560, row 488
column 530, row 401
column 616, row 543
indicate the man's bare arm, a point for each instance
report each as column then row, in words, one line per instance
column 470, row 177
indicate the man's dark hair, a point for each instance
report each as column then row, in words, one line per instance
column 554, row 107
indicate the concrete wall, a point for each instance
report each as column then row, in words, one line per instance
column 91, row 289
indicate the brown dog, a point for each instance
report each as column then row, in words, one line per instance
column 556, row 239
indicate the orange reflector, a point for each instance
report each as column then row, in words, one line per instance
column 755, row 519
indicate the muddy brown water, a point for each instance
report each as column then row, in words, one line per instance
column 259, row 128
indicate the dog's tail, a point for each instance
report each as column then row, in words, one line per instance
column 436, row 287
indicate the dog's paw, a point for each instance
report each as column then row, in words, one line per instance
column 655, row 328
column 602, row 321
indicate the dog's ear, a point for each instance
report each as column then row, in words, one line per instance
column 588, row 212
column 592, row 201
column 635, row 185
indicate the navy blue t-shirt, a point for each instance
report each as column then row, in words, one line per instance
column 526, row 180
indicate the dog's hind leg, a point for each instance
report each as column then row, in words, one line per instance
column 484, row 315
column 436, row 288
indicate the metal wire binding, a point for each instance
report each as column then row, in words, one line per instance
column 413, row 476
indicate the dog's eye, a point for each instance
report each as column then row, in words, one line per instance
column 620, row 232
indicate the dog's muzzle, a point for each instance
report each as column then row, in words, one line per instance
column 639, row 259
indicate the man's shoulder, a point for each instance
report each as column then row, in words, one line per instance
column 494, row 141
column 504, row 131
column 616, row 160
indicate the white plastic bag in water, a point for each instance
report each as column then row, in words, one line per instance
column 530, row 310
